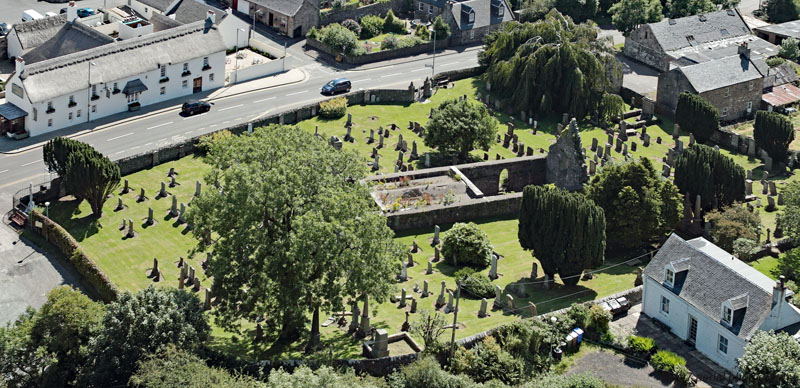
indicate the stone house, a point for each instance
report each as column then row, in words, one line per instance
column 428, row 10
column 471, row 20
column 714, row 301
column 733, row 84
column 776, row 33
column 655, row 44
column 293, row 18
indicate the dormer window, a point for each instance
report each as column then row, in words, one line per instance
column 727, row 315
column 669, row 276
column 472, row 17
column 501, row 10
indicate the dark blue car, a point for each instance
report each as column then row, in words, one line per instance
column 336, row 86
column 84, row 12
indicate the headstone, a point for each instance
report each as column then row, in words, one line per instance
column 380, row 348
column 120, row 205
column 625, row 149
column 751, row 147
column 509, row 306
column 163, row 192
column 131, row 233
column 748, row 187
column 764, row 187
column 770, row 203
column 198, row 188
column 172, row 181
column 191, row 275
column 207, row 302
column 498, row 297
column 150, row 218
column 658, row 139
column 592, row 167
column 126, row 189
column 534, row 270
column 196, row 286
column 780, row 199
column 440, row 300
column 154, row 272
column 600, row 152
column 380, row 140
column 173, row 211
column 646, row 140
column 376, row 163
column 171, row 172
column 633, row 146
column 349, row 120
column 493, row 269
column 678, row 146
column 413, row 308
column 365, row 326
column 404, row 273
column 182, row 214
column 425, row 289
column 676, row 131
column 430, row 268
column 399, row 145
column 607, row 151
column 182, row 278
column 531, row 309
column 666, row 171
column 403, row 297
column 691, row 139
column 414, row 155
column 436, row 230
column 436, row 253
column 773, row 189
column 354, row 315
column 484, row 305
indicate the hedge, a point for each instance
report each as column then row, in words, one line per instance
column 86, row 267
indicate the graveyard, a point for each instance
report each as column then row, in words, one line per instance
column 145, row 222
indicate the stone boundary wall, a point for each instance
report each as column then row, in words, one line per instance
column 379, row 55
column 374, row 366
column 378, row 9
column 499, row 205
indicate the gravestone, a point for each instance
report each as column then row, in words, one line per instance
column 354, row 315
column 748, row 187
column 120, row 205
column 380, row 140
column 633, row 146
column 666, row 171
column 531, row 309
column 150, row 219
column 349, row 122
column 430, row 268
column 207, row 302
column 376, row 164
column 163, row 192
column 780, row 199
column 425, row 292
column 365, row 326
column 646, row 140
column 482, row 311
column 182, row 214
column 509, row 306
column 676, row 131
column 773, row 189
column 534, row 270
column 678, row 146
column 436, row 239
column 155, row 272
column 181, row 278
column 399, row 145
column 751, row 147
column 493, row 269
column 440, row 299
column 404, row 273
column 414, row 155
column 658, row 139
column 196, row 286
column 691, row 139
column 436, row 253
column 413, row 308
column 592, row 167
column 198, row 188
column 449, row 308
column 498, row 297
column 131, row 233
column 770, row 203
column 380, row 347
column 173, row 211
column 173, row 182
column 335, row 142
column 594, row 144
column 403, row 297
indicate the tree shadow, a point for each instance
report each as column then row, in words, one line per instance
column 68, row 214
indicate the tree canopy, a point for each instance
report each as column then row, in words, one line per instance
column 700, row 170
column 639, row 206
column 91, row 176
column 629, row 14
column 466, row 244
column 460, row 126
column 696, row 115
column 773, row 132
column 551, row 65
column 771, row 360
column 174, row 367
column 292, row 227
column 680, row 8
column 779, row 11
column 789, row 220
column 566, row 231
column 732, row 223
column 57, row 151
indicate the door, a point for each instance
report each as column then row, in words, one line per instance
column 692, row 337
column 235, row 4
column 271, row 17
column 198, row 85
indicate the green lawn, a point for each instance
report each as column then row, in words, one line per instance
column 126, row 260
column 765, row 265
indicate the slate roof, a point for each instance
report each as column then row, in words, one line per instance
column 485, row 13
column 161, row 22
column 673, row 34
column 720, row 73
column 435, row 3
column 286, row 7
column 10, row 111
column 36, row 32
column 71, row 38
column 714, row 279
column 791, row 28
column 190, row 11
column 160, row 5
column 784, row 74
column 122, row 59
column 724, row 48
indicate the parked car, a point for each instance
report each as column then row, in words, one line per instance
column 49, row 14
column 4, row 29
column 789, row 110
column 336, row 86
column 30, row 15
column 616, row 306
column 194, row 106
column 84, row 12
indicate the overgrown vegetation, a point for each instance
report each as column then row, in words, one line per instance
column 696, row 115
column 467, row 245
column 333, row 108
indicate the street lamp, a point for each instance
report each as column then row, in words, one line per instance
column 553, row 320
column 89, row 94
column 433, row 65
column 47, row 209
column 236, row 66
column 255, row 15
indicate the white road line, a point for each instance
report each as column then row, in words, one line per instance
column 160, row 125
column 231, row 107
column 3, row 171
column 449, row 64
column 292, row 94
column 391, row 75
column 266, row 99
column 213, row 126
column 192, row 117
column 120, row 136
column 365, row 80
column 117, row 153
column 148, row 144
column 225, row 122
column 249, row 116
column 414, row 71
column 133, row 148
column 201, row 129
column 238, row 118
column 187, row 132
column 28, row 164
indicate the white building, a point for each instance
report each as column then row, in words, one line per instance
column 26, row 36
column 123, row 75
column 713, row 300
column 148, row 8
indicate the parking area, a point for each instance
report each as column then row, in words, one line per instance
column 11, row 10
column 638, row 77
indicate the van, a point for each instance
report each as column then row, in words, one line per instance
column 31, row 15
column 49, row 14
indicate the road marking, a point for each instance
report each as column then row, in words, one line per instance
column 162, row 140
column 414, row 71
column 192, row 117
column 238, row 118
column 117, row 153
column 449, row 64
column 133, row 148
column 148, row 144
column 160, row 125
column 201, row 129
column 120, row 137
column 225, row 122
column 187, row 132
column 292, row 94
column 390, row 75
column 266, row 99
column 231, row 107
column 28, row 164
column 249, row 116
column 365, row 80
column 213, row 126
column 3, row 171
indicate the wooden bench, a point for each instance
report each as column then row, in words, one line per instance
column 18, row 218
column 443, row 82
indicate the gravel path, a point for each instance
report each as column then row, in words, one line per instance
column 616, row 369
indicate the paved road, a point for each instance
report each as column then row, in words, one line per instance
column 11, row 10
column 153, row 131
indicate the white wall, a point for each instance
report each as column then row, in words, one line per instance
column 228, row 27
column 109, row 104
column 146, row 10
column 14, row 46
column 243, row 6
column 708, row 329
column 257, row 71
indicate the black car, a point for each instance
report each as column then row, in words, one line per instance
column 336, row 86
column 4, row 29
column 193, row 107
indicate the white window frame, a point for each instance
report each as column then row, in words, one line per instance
column 185, row 67
column 78, row 113
column 133, row 98
column 430, row 10
column 49, row 122
column 669, row 276
column 727, row 315
column 422, row 6
column 35, row 114
column 94, row 108
column 728, row 91
column 501, row 11
column 163, row 90
column 205, row 62
column 70, row 116
column 722, row 344
column 749, row 106
column 724, row 112
column 185, row 84
column 472, row 34
column 211, row 77
column 163, row 69
column 664, row 305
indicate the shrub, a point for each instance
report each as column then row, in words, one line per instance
column 486, row 362
column 390, row 43
column 584, row 380
column 641, row 344
column 352, row 25
column 338, row 37
column 731, row 223
column 392, row 24
column 682, row 375
column 422, row 32
column 598, row 319
column 474, row 283
column 466, row 244
column 333, row 108
column 789, row 49
column 442, row 29
column 666, row 361
column 579, row 312
column 773, row 132
column 409, row 41
column 371, row 25
column 775, row 61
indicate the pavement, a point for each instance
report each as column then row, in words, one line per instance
column 619, row 370
column 638, row 77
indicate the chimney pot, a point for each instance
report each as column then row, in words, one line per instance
column 20, row 65
column 212, row 17
column 72, row 12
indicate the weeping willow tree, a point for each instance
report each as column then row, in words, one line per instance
column 552, row 65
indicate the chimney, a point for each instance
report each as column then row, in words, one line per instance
column 211, row 18
column 744, row 50
column 72, row 12
column 779, row 291
column 20, row 66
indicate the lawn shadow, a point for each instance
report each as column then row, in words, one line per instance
column 67, row 211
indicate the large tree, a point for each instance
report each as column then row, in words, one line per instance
column 789, row 220
column 91, row 176
column 680, row 8
column 173, row 367
column 771, row 360
column 551, row 65
column 57, row 151
column 638, row 204
column 140, row 324
column 732, row 223
column 779, row 11
column 566, row 231
column 22, row 361
column 700, row 170
column 696, row 115
column 293, row 231
column 460, row 126
column 629, row 14
column 773, row 132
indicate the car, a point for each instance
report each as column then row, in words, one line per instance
column 4, row 28
column 790, row 110
column 84, row 12
column 30, row 15
column 616, row 306
column 49, row 14
column 194, row 106
column 336, row 86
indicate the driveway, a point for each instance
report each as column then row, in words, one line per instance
column 638, row 77
column 617, row 369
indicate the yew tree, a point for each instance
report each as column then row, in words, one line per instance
column 696, row 115
column 291, row 231
column 92, row 176
column 700, row 170
column 773, row 132
column 459, row 126
column 566, row 231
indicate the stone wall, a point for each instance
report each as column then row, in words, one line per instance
column 376, row 56
column 499, row 205
column 374, row 366
column 732, row 102
column 528, row 170
column 356, row 13
column 642, row 46
column 3, row 47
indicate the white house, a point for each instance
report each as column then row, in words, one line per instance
column 713, row 300
column 26, row 36
column 119, row 76
column 147, row 8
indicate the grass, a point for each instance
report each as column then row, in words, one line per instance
column 126, row 261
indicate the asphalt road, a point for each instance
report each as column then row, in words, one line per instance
column 154, row 131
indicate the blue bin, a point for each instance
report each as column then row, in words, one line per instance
column 579, row 332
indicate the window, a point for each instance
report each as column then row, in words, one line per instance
column 727, row 92
column 669, row 276
column 185, row 67
column 211, row 77
column 430, row 9
column 163, row 71
column 133, row 98
column 750, row 86
column 501, row 10
column 645, row 34
column 94, row 108
column 163, row 90
column 723, row 345
column 71, row 100
column 115, row 86
column 472, row 34
column 49, row 122
column 749, row 106
column 185, row 84
column 421, row 6
column 727, row 314
column 50, row 108
column 35, row 114
column 664, row 305
column 94, row 90
column 724, row 112
column 205, row 63
column 70, row 115
column 472, row 17
column 78, row 114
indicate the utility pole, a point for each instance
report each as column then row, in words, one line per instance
column 433, row 65
column 455, row 322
